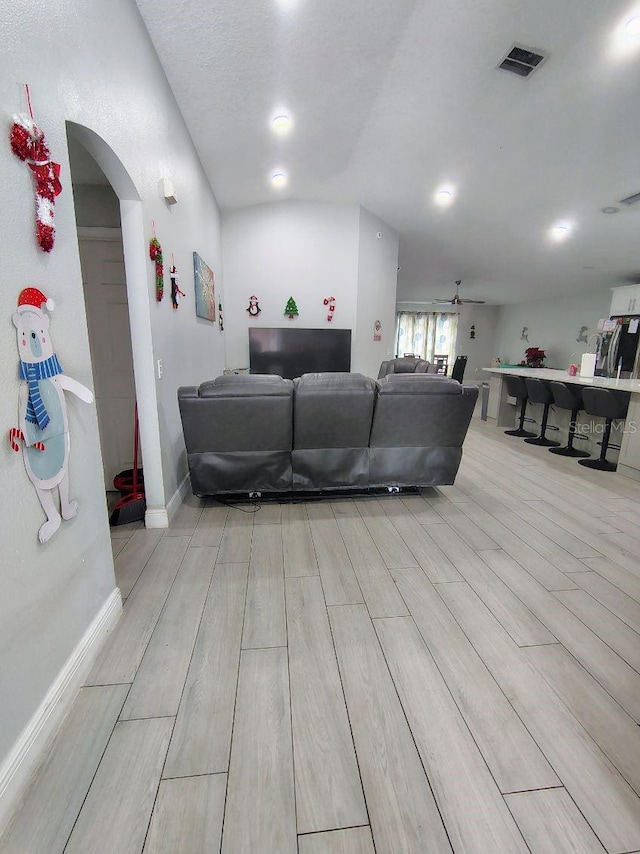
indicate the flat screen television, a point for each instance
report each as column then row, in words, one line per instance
column 293, row 351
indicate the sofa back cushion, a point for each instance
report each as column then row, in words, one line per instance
column 421, row 410
column 332, row 410
column 403, row 365
column 242, row 413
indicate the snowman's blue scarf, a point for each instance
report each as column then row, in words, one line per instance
column 33, row 372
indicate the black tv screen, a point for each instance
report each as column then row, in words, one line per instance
column 292, row 351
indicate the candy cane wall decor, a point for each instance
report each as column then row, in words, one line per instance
column 28, row 143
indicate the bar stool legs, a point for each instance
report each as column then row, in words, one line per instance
column 610, row 405
column 602, row 464
column 539, row 392
column 516, row 388
column 569, row 450
column 520, row 431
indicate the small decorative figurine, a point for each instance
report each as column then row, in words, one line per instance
column 254, row 309
column 175, row 290
column 331, row 302
column 291, row 309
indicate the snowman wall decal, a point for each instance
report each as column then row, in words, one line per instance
column 43, row 425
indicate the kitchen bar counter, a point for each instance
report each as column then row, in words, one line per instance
column 501, row 409
column 563, row 377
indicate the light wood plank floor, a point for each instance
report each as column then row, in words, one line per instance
column 457, row 671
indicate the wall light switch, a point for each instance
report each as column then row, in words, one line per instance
column 159, row 369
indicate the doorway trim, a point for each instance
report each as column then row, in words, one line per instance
column 135, row 263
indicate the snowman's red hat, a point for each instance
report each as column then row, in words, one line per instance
column 30, row 298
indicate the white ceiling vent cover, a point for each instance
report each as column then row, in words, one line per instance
column 522, row 60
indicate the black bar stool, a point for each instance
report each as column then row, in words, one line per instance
column 568, row 397
column 517, row 388
column 539, row 392
column 610, row 405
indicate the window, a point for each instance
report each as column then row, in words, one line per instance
column 426, row 334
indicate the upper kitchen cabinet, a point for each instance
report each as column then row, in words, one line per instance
column 625, row 300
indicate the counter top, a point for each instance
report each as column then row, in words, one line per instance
column 563, row 377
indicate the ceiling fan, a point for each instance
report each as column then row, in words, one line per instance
column 457, row 300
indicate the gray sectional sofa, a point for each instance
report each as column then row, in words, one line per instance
column 253, row 433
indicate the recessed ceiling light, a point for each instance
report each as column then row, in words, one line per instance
column 281, row 123
column 278, row 180
column 610, row 210
column 560, row 231
column 444, row 196
column 632, row 27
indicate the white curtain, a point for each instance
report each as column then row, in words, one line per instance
column 426, row 334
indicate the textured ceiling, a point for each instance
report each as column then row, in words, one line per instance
column 391, row 99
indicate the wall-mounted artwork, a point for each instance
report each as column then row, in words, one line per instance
column 205, row 289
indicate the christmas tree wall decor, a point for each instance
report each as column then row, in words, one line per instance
column 291, row 309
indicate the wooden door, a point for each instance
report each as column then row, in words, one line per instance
column 107, row 307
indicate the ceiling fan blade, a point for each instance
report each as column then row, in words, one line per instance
column 476, row 301
column 443, row 301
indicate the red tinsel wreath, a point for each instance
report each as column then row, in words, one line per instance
column 155, row 253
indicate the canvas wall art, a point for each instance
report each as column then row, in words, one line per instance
column 205, row 289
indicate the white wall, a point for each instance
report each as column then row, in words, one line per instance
column 96, row 67
column 307, row 250
column 553, row 326
column 377, row 279
column 481, row 349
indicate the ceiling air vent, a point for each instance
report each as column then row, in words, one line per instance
column 630, row 200
column 522, row 60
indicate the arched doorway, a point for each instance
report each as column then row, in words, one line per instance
column 135, row 264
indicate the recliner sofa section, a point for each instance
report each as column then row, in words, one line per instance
column 260, row 433
column 238, row 432
column 405, row 365
column 419, row 425
column 332, row 415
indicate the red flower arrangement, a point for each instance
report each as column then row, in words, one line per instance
column 534, row 357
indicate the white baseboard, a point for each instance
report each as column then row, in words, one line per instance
column 156, row 517
column 31, row 746
column 178, row 495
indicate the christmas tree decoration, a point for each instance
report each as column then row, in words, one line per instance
column 331, row 302
column 43, row 423
column 155, row 253
column 28, row 143
column 291, row 309
column 220, row 320
column 254, row 309
column 175, row 290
